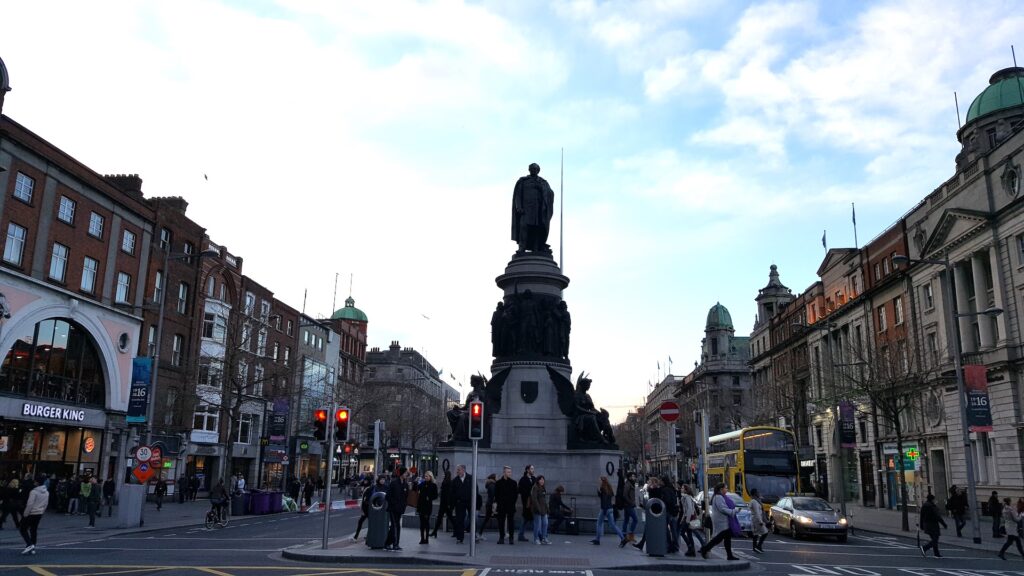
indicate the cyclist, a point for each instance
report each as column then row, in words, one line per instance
column 219, row 499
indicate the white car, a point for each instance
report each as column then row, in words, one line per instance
column 743, row 515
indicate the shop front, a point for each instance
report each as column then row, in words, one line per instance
column 48, row 438
column 202, row 460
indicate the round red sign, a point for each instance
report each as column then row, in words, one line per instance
column 669, row 411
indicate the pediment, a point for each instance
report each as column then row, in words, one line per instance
column 833, row 257
column 954, row 227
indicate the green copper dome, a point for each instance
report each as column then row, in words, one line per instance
column 718, row 318
column 349, row 312
column 1004, row 91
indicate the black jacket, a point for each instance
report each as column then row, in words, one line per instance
column 462, row 490
column 506, row 492
column 930, row 519
column 398, row 495
column 557, row 508
column 425, row 502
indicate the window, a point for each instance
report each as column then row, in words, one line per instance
column 165, row 240
column 245, row 344
column 714, row 346
column 257, row 380
column 1020, row 250
column 885, row 267
column 261, row 343
column 305, row 337
column 15, row 245
column 124, row 286
column 128, row 242
column 863, row 430
column 205, row 418
column 215, row 326
column 818, row 435
column 737, row 398
column 881, row 319
column 211, row 373
column 928, row 296
column 250, row 303
column 66, row 210
column 878, row 276
column 90, row 268
column 158, row 287
column 187, row 249
column 287, row 354
column 211, row 285
column 58, row 261
column 177, row 347
column 243, row 374
column 319, row 343
column 264, row 310
column 182, row 298
column 933, row 346
column 23, row 187
column 151, row 340
column 289, row 330
column 277, row 350
column 248, row 428
column 223, row 292
column 95, row 225
column 897, row 305
column 170, row 406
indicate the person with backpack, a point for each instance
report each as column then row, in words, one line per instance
column 628, row 505
column 722, row 510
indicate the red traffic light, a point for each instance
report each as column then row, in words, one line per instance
column 320, row 415
column 477, row 408
column 348, row 448
column 342, row 415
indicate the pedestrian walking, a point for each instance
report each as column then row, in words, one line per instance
column 462, row 494
column 525, row 489
column 445, row 503
column 488, row 504
column 307, row 492
column 671, row 499
column 368, row 492
column 956, row 504
column 653, row 491
column 109, row 486
column 1011, row 524
column 425, row 505
column 193, row 487
column 758, row 522
column 181, row 488
column 60, row 491
column 506, row 492
column 398, row 498
column 721, row 512
column 12, row 504
column 557, row 510
column 91, row 493
column 539, row 508
column 689, row 525
column 74, row 486
column 628, row 502
column 159, row 492
column 606, row 495
column 995, row 510
column 35, row 507
column 930, row 521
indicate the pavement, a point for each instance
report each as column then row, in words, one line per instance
column 886, row 521
column 565, row 552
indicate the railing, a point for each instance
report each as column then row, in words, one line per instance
column 21, row 382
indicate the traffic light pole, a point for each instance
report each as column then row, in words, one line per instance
column 472, row 507
column 327, row 481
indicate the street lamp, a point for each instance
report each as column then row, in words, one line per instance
column 956, row 345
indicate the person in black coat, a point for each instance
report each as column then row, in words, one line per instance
column 444, row 504
column 506, row 492
column 425, row 505
column 462, row 494
column 525, row 490
column 957, row 506
column 557, row 508
column 398, row 497
column 930, row 521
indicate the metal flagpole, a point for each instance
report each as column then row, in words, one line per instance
column 561, row 214
column 472, row 507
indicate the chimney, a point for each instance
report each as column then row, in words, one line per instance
column 176, row 203
column 130, row 184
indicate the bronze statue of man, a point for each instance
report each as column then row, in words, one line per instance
column 532, row 206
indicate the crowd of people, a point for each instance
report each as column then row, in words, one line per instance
column 541, row 509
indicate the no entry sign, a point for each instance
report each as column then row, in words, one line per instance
column 669, row 411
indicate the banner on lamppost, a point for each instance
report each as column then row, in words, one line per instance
column 847, row 425
column 979, row 414
column 277, row 428
column 138, row 399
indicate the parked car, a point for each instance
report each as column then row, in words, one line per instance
column 801, row 516
column 744, row 509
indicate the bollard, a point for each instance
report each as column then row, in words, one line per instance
column 656, row 528
column 377, row 521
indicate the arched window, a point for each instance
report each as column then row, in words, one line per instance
column 57, row 360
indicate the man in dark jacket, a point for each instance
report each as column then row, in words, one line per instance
column 957, row 506
column 506, row 492
column 628, row 502
column 525, row 489
column 930, row 521
column 995, row 510
column 398, row 497
column 462, row 494
column 671, row 499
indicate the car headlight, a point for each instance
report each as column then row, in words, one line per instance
column 804, row 520
column 842, row 521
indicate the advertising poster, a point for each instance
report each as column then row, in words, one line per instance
column 138, row 398
column 979, row 413
column 848, row 425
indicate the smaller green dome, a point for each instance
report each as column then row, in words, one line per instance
column 718, row 318
column 1004, row 91
column 349, row 312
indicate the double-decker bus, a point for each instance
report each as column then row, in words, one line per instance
column 761, row 457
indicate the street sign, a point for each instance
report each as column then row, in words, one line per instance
column 143, row 453
column 155, row 453
column 143, row 472
column 669, row 411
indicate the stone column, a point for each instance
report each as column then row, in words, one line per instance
column 997, row 293
column 964, row 322
column 981, row 300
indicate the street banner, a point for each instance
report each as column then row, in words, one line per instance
column 847, row 425
column 138, row 399
column 979, row 413
column 277, row 428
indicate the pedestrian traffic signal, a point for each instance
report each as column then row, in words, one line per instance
column 348, row 448
column 680, row 446
column 370, row 433
column 341, row 421
column 320, row 424
column 476, row 420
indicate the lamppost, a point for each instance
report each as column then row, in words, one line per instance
column 956, row 349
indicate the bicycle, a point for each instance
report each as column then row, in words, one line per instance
column 217, row 516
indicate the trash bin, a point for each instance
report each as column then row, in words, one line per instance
column 656, row 527
column 239, row 504
column 276, row 504
column 260, row 503
column 377, row 521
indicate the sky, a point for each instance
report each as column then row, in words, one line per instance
column 379, row 142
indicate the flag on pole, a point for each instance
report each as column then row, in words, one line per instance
column 823, row 244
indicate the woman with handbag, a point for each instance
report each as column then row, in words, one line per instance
column 758, row 527
column 723, row 513
column 690, row 521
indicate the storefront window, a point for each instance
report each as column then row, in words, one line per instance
column 56, row 360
